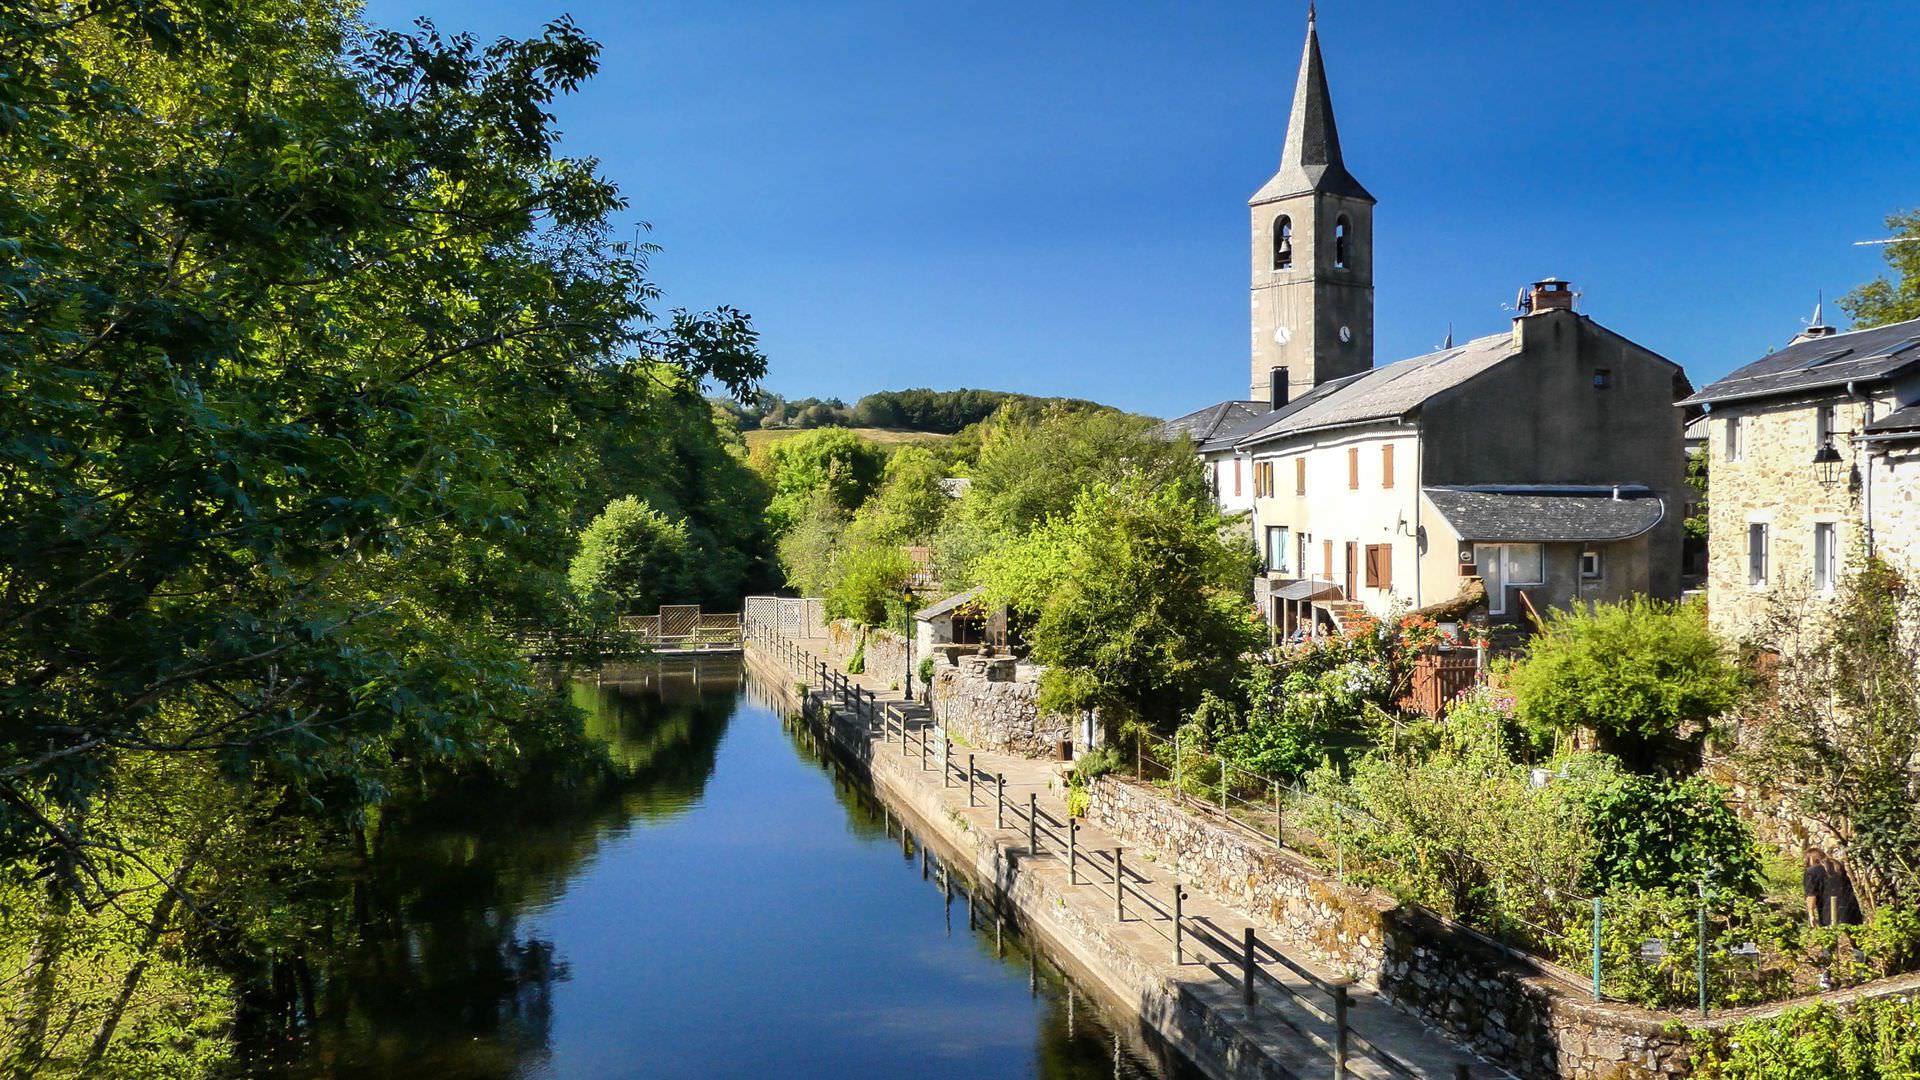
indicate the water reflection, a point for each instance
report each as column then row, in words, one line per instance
column 709, row 897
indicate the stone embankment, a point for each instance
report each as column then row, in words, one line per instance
column 1195, row 1004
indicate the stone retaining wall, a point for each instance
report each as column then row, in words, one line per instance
column 1447, row 975
column 886, row 652
column 979, row 703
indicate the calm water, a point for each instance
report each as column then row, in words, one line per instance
column 726, row 904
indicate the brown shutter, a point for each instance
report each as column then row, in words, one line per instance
column 1236, row 476
column 1386, row 566
column 1327, row 554
column 1386, row 466
column 1353, row 468
column 1379, row 566
column 1373, row 566
column 1300, row 475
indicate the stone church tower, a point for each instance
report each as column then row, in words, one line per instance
column 1312, row 252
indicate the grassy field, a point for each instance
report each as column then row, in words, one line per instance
column 884, row 436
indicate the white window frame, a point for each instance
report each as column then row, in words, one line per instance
column 1825, row 419
column 1736, row 441
column 1598, row 565
column 1826, row 557
column 1758, row 560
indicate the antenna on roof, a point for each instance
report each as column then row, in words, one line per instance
column 1449, row 342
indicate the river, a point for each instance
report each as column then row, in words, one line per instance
column 727, row 904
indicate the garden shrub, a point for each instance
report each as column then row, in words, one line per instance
column 1873, row 1040
column 1639, row 672
column 1660, row 832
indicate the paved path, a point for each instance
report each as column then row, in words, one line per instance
column 1288, row 1030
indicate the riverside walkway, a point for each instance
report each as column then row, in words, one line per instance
column 1293, row 1021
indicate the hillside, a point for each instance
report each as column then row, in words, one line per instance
column 761, row 437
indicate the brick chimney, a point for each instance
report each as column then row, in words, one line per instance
column 1549, row 294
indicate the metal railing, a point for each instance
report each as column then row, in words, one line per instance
column 1244, row 963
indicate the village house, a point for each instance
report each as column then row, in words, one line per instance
column 1545, row 459
column 1814, row 463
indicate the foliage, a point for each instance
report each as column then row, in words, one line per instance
column 857, row 663
column 1637, row 671
column 1696, row 524
column 941, row 411
column 1875, row 1039
column 1881, row 301
column 1141, row 604
column 810, row 549
column 840, row 463
column 635, row 558
column 926, row 671
column 1093, row 765
column 1841, row 729
column 1661, row 832
column 911, row 501
column 871, row 586
column 1298, row 701
column 317, row 358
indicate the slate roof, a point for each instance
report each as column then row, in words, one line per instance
column 1381, row 393
column 1311, row 160
column 1904, row 422
column 1835, row 360
column 934, row 611
column 1548, row 513
column 1204, row 424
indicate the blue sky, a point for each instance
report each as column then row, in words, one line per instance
column 1051, row 198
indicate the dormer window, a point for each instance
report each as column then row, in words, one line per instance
column 1283, row 243
column 1342, row 243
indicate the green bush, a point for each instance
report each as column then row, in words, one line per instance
column 925, row 671
column 634, row 558
column 1659, row 832
column 1874, row 1040
column 871, row 588
column 1638, row 672
column 1296, row 704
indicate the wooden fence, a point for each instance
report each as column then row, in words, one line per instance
column 1438, row 678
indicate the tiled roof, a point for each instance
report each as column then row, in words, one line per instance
column 1900, row 421
column 1381, row 393
column 1548, row 513
column 1204, row 424
column 1835, row 360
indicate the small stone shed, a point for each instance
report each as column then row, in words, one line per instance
column 960, row 619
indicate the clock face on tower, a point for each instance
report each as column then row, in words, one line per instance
column 1281, row 335
column 1346, row 336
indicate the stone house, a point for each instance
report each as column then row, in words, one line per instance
column 1813, row 462
column 1546, row 459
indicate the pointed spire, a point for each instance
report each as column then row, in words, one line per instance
column 1819, row 298
column 1449, row 343
column 1311, row 160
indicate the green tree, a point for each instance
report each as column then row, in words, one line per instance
column 1637, row 672
column 1882, row 301
column 870, row 586
column 911, row 502
column 312, row 346
column 811, row 548
column 833, row 460
column 1141, row 605
column 635, row 558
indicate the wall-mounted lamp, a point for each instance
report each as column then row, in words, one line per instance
column 1827, row 463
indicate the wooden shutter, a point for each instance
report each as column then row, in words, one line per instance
column 1379, row 566
column 1300, row 475
column 1327, row 555
column 1236, row 476
column 1386, row 466
column 1373, row 566
column 1353, row 468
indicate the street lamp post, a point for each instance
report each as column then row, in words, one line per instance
column 907, row 636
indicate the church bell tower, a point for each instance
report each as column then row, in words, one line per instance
column 1312, row 252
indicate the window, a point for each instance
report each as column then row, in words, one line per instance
column 1825, row 419
column 1283, row 243
column 1826, row 562
column 1386, row 466
column 1277, row 547
column 1301, row 541
column 1353, row 468
column 1602, row 378
column 1736, row 445
column 1262, row 479
column 1379, row 566
column 1342, row 242
column 1590, row 565
column 1756, row 553
column 1300, row 475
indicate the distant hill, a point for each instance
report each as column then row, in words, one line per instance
column 943, row 412
column 762, row 437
